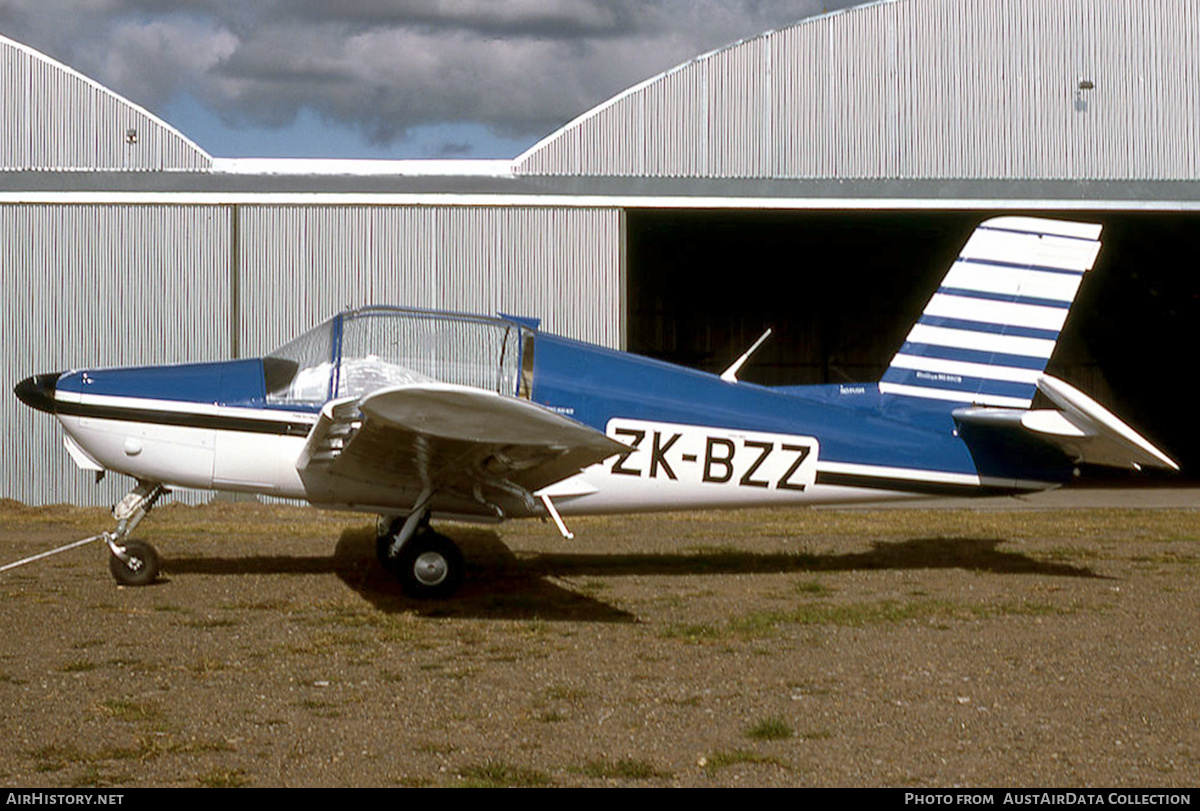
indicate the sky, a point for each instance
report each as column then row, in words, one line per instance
column 398, row 79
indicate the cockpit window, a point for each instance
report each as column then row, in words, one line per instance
column 389, row 348
column 299, row 371
column 361, row 351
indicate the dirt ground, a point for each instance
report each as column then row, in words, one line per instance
column 768, row 648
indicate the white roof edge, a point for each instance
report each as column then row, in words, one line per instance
column 67, row 69
column 363, row 167
column 629, row 91
column 543, row 199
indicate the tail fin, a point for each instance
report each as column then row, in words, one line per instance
column 985, row 336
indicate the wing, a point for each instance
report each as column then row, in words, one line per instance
column 1083, row 429
column 459, row 442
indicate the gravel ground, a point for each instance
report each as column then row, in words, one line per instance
column 766, row 648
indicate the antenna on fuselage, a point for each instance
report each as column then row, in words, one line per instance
column 730, row 375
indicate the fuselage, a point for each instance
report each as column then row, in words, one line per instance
column 702, row 441
column 695, row 440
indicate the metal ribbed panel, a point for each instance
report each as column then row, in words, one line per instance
column 55, row 118
column 94, row 285
column 680, row 96
column 739, row 110
column 300, row 265
column 963, row 89
column 100, row 286
column 14, row 108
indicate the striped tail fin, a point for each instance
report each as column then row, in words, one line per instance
column 985, row 336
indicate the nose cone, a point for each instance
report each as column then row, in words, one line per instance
column 38, row 391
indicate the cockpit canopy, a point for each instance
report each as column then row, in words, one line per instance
column 360, row 351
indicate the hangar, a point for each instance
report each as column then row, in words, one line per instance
column 817, row 178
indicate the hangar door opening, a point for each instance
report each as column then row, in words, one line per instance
column 840, row 290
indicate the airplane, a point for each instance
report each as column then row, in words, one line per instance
column 417, row 415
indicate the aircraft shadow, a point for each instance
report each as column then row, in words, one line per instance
column 972, row 554
column 500, row 585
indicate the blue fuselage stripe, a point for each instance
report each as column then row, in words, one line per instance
column 983, row 326
column 960, row 383
column 973, row 356
column 1007, row 298
column 1019, row 266
column 985, row 227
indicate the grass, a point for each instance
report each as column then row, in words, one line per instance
column 321, row 709
column 79, row 666
column 495, row 774
column 93, row 777
column 55, row 757
column 622, row 769
column 562, row 693
column 758, row 624
column 134, row 712
column 813, row 588
column 133, row 663
column 149, row 747
column 693, row 632
column 774, row 728
column 223, row 778
column 211, row 622
column 723, row 759
column 796, row 587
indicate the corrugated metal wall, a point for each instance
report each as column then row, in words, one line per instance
column 917, row 89
column 54, row 118
column 300, row 265
column 91, row 285
column 110, row 285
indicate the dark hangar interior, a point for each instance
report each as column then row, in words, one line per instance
column 840, row 290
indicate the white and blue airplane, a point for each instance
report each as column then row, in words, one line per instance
column 414, row 415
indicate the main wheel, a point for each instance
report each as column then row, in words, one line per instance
column 429, row 566
column 142, row 568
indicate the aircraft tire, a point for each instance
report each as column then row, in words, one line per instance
column 430, row 566
column 144, row 570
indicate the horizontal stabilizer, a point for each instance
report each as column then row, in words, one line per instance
column 1084, row 430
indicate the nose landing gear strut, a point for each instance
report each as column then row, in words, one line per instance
column 133, row 563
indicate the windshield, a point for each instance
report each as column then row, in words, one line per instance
column 298, row 372
column 365, row 350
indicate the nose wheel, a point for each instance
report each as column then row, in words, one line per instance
column 139, row 567
column 133, row 563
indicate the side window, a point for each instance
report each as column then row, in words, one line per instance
column 299, row 372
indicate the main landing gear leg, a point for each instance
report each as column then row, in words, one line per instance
column 427, row 563
column 133, row 563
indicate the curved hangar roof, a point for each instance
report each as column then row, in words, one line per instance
column 964, row 89
column 55, row 118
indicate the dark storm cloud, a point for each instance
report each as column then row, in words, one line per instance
column 519, row 67
column 514, row 18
